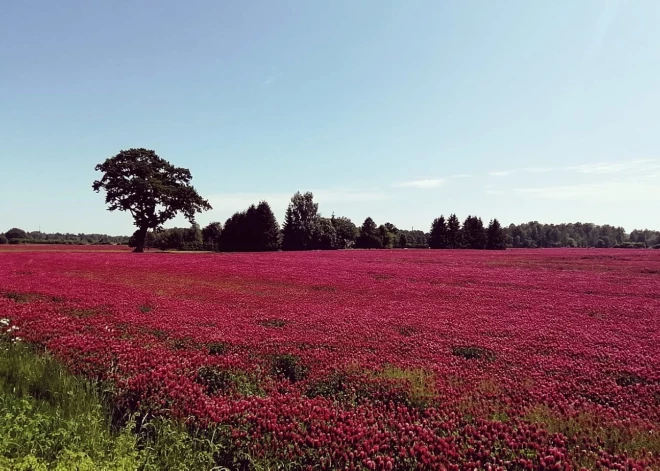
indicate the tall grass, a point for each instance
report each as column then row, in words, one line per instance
column 52, row 420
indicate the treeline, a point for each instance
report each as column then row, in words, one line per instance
column 256, row 230
column 537, row 235
column 19, row 236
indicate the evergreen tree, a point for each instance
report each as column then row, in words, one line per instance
column 496, row 236
column 438, row 235
column 453, row 232
column 232, row 238
column 268, row 231
column 369, row 237
column 474, row 235
column 300, row 222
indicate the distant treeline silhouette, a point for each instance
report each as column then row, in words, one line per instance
column 256, row 230
column 19, row 236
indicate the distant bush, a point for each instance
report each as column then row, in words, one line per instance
column 15, row 233
column 656, row 246
column 3, row 239
column 630, row 245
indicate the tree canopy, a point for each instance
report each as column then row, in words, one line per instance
column 369, row 237
column 150, row 188
column 15, row 233
column 438, row 234
column 252, row 230
column 300, row 221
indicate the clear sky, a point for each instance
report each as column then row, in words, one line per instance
column 520, row 110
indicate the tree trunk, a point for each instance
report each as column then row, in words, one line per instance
column 141, row 239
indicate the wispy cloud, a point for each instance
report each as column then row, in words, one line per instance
column 501, row 173
column 506, row 173
column 614, row 191
column 460, row 175
column 270, row 80
column 612, row 167
column 631, row 166
column 424, row 184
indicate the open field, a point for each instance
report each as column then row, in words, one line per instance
column 545, row 359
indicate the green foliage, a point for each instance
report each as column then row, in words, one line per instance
column 403, row 241
column 253, row 230
column 630, row 245
column 387, row 233
column 300, row 221
column 59, row 238
column 52, row 420
column 369, row 237
column 289, row 366
column 454, row 233
column 415, row 239
column 496, row 239
column 15, row 233
column 587, row 427
column 438, row 234
column 474, row 234
column 150, row 188
column 346, row 231
column 325, row 235
column 217, row 348
column 216, row 380
column 211, row 236
column 419, row 384
column 536, row 235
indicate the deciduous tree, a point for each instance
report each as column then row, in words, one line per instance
column 369, row 237
column 300, row 222
column 150, row 188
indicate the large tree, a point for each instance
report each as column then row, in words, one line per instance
column 454, row 235
column 474, row 234
column 369, row 237
column 347, row 232
column 325, row 237
column 438, row 235
column 16, row 233
column 300, row 222
column 496, row 236
column 150, row 188
column 265, row 227
column 252, row 230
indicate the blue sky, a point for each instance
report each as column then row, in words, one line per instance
column 396, row 110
